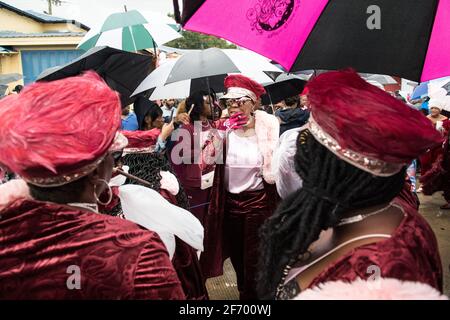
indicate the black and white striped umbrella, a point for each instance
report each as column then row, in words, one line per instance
column 203, row 69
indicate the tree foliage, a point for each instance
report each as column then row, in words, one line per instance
column 195, row 40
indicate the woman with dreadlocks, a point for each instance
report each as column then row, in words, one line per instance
column 349, row 220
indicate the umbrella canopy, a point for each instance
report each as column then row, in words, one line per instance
column 380, row 78
column 122, row 70
column 438, row 93
column 183, row 89
column 285, row 86
column 424, row 88
column 3, row 88
column 130, row 31
column 9, row 78
column 214, row 61
column 447, row 88
column 376, row 84
column 203, row 69
column 409, row 39
column 154, row 84
column 420, row 91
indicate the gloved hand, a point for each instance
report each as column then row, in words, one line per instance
column 236, row 121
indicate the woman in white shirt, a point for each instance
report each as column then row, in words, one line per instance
column 244, row 193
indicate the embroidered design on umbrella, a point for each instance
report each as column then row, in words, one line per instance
column 270, row 15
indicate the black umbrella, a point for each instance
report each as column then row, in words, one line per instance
column 286, row 85
column 183, row 89
column 123, row 71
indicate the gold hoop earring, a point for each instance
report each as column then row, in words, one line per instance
column 110, row 193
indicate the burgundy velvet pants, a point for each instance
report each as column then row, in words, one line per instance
column 244, row 215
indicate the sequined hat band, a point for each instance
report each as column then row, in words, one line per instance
column 374, row 166
column 120, row 142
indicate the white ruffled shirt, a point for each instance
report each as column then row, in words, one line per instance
column 243, row 168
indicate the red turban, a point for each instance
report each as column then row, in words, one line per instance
column 56, row 132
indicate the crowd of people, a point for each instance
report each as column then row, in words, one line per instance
column 103, row 201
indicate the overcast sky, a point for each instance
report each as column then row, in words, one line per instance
column 91, row 12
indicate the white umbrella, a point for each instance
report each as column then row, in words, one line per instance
column 381, row 78
column 376, row 84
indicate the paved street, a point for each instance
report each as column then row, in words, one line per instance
column 224, row 287
column 440, row 222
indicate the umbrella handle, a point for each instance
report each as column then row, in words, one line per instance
column 190, row 110
column 154, row 49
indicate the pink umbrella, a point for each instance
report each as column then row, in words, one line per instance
column 410, row 39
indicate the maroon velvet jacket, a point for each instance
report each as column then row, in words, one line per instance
column 411, row 254
column 438, row 177
column 117, row 259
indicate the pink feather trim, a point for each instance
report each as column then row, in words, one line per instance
column 169, row 182
column 380, row 289
column 12, row 191
column 267, row 130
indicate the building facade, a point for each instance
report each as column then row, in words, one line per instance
column 31, row 42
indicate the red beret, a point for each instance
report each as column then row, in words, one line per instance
column 250, row 87
column 365, row 125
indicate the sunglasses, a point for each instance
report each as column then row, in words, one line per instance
column 240, row 102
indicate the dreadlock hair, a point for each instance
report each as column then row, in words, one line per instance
column 148, row 166
column 331, row 187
